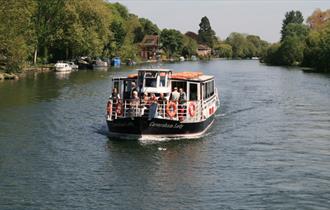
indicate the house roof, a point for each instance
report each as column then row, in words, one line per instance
column 203, row 47
column 150, row 40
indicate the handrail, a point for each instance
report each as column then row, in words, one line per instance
column 186, row 111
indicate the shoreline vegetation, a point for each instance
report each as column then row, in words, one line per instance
column 35, row 34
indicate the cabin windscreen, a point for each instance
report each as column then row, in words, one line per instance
column 193, row 92
column 208, row 89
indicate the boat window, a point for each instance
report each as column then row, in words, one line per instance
column 151, row 79
column 179, row 84
column 151, row 82
column 208, row 89
column 162, row 81
column 193, row 92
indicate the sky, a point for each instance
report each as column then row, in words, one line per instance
column 258, row 17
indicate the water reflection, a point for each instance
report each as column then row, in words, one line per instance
column 62, row 75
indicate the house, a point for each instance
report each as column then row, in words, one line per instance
column 203, row 51
column 149, row 47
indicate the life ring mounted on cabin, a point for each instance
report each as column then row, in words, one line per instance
column 192, row 109
column 171, row 109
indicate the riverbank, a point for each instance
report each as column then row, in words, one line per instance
column 31, row 69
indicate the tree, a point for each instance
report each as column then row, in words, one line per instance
column 146, row 28
column 205, row 33
column 224, row 50
column 291, row 17
column 16, row 33
column 291, row 51
column 172, row 41
column 319, row 19
column 192, row 35
column 189, row 46
column 272, row 54
column 295, row 29
column 312, row 50
column 239, row 45
column 324, row 55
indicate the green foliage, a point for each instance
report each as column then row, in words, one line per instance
column 246, row 46
column 291, row 51
column 16, row 30
column 324, row 53
column 189, row 46
column 224, row 50
column 146, row 27
column 291, row 17
column 172, row 41
column 295, row 29
column 301, row 45
column 205, row 33
column 272, row 54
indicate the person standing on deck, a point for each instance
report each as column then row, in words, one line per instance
column 175, row 95
column 182, row 103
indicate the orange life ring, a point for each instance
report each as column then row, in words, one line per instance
column 171, row 109
column 119, row 109
column 109, row 108
column 192, row 109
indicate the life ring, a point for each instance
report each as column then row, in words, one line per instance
column 109, row 108
column 119, row 109
column 171, row 109
column 192, row 109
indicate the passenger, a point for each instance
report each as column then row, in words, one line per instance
column 145, row 98
column 153, row 107
column 161, row 104
column 133, row 88
column 115, row 96
column 182, row 97
column 182, row 104
column 134, row 104
column 175, row 95
column 161, row 99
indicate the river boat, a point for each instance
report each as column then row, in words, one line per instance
column 73, row 65
column 154, row 116
column 99, row 64
column 62, row 67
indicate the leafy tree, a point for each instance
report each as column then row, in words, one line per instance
column 146, row 28
column 224, row 50
column 324, row 55
column 272, row 54
column 319, row 19
column 189, row 46
column 291, row 51
column 192, row 35
column 295, row 29
column 312, row 50
column 16, row 33
column 239, row 45
column 291, row 17
column 205, row 33
column 172, row 41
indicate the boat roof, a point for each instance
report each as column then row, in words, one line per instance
column 191, row 76
column 188, row 76
column 156, row 70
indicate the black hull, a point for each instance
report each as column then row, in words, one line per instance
column 140, row 126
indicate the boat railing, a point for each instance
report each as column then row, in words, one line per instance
column 184, row 111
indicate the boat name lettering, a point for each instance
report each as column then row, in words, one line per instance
column 166, row 125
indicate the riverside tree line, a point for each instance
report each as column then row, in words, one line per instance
column 44, row 31
column 303, row 44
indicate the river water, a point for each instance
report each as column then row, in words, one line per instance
column 269, row 147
